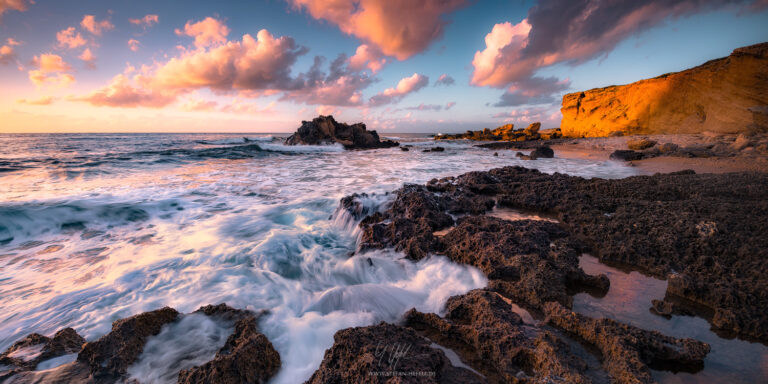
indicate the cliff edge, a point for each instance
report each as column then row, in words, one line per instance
column 727, row 95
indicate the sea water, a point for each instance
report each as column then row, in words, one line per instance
column 98, row 227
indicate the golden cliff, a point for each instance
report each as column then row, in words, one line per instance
column 726, row 95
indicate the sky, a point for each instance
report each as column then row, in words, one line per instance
column 396, row 65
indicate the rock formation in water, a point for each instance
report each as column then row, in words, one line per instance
column 726, row 95
column 506, row 132
column 246, row 357
column 324, row 130
column 705, row 233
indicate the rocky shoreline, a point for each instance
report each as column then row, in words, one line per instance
column 703, row 233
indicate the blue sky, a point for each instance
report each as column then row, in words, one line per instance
column 172, row 82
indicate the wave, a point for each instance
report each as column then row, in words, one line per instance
column 29, row 221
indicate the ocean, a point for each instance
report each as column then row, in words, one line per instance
column 97, row 227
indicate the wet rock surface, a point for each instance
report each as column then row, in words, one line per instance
column 247, row 356
column 112, row 354
column 629, row 351
column 387, row 353
column 705, row 231
column 27, row 353
column 486, row 333
column 326, row 130
column 506, row 133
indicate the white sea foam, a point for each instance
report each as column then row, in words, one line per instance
column 256, row 233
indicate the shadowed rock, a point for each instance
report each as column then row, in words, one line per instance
column 387, row 353
column 30, row 351
column 247, row 356
column 325, row 130
column 113, row 353
column 484, row 330
column 628, row 351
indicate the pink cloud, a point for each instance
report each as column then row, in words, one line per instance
column 367, row 56
column 15, row 5
column 564, row 31
column 133, row 44
column 207, row 32
column 260, row 63
column 51, row 70
column 399, row 28
column 341, row 86
column 444, row 79
column 146, row 21
column 7, row 54
column 122, row 93
column 88, row 57
column 199, row 105
column 90, row 24
column 404, row 87
column 69, row 38
column 44, row 100
column 248, row 108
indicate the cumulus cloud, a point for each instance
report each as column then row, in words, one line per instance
column 341, row 86
column 15, row 5
column 88, row 57
column 533, row 90
column 367, row 56
column 121, row 92
column 444, row 79
column 146, row 21
column 406, row 86
column 207, row 32
column 90, row 24
column 70, row 38
column 51, row 70
column 44, row 100
column 399, row 28
column 133, row 45
column 570, row 31
column 263, row 62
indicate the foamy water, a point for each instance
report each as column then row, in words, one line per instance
column 94, row 228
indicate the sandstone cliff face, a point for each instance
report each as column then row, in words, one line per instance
column 726, row 95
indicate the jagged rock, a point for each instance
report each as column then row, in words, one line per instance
column 640, row 144
column 482, row 328
column 720, row 95
column 113, row 353
column 529, row 261
column 626, row 155
column 247, row 356
column 627, row 351
column 325, row 130
column 33, row 349
column 434, row 149
column 387, row 353
column 532, row 129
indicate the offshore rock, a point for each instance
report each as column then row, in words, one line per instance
column 27, row 353
column 325, row 130
column 727, row 95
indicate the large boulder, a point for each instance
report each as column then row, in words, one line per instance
column 326, row 130
column 726, row 95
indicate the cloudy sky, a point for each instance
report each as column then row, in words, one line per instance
column 397, row 65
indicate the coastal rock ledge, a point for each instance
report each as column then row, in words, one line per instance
column 324, row 130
